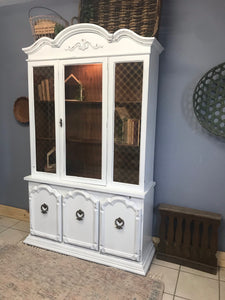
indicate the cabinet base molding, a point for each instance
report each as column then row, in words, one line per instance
column 140, row 268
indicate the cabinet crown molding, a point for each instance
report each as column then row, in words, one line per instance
column 86, row 28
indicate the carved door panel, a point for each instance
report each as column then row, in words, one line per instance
column 45, row 212
column 121, row 228
column 80, row 219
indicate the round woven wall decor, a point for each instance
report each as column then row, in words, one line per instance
column 21, row 110
column 209, row 100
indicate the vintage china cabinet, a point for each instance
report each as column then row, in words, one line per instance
column 92, row 105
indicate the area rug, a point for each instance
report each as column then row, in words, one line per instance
column 28, row 272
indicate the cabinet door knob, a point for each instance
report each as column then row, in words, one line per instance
column 44, row 208
column 119, row 223
column 79, row 214
column 60, row 122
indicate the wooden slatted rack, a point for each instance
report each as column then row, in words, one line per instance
column 189, row 237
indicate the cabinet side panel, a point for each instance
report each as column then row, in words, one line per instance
column 148, row 219
column 151, row 116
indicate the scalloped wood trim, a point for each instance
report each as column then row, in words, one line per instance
column 13, row 212
column 77, row 29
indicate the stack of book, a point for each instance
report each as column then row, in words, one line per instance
column 46, row 89
column 130, row 130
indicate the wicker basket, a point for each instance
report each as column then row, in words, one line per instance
column 141, row 16
column 47, row 24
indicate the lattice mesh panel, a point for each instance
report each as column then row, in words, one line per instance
column 128, row 98
column 44, row 118
column 128, row 84
column 209, row 100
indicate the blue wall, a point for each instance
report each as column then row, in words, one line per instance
column 190, row 163
column 15, row 34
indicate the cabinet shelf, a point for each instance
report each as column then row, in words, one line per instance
column 83, row 102
column 129, row 102
column 83, row 141
column 42, row 138
column 46, row 101
column 121, row 144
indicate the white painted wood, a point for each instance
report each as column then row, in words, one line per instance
column 120, row 232
column 136, row 267
column 48, row 224
column 120, row 189
column 90, row 40
column 151, row 116
column 148, row 218
column 129, row 246
column 80, row 219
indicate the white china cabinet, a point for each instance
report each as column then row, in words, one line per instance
column 92, row 106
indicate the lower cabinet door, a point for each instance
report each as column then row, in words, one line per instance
column 45, row 212
column 80, row 219
column 120, row 232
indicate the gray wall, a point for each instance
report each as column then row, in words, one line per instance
column 189, row 164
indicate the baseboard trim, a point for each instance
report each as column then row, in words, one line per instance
column 13, row 212
column 220, row 259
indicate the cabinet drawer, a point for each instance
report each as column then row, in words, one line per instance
column 45, row 212
column 80, row 219
column 121, row 228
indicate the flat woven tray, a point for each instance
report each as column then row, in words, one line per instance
column 141, row 16
column 209, row 100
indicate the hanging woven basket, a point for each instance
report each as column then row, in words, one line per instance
column 21, row 110
column 141, row 16
column 49, row 24
column 209, row 100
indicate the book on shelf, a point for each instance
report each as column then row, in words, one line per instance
column 46, row 89
column 131, row 132
column 40, row 92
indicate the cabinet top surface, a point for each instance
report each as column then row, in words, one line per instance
column 91, row 40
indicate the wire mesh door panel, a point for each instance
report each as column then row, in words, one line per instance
column 44, row 105
column 127, row 124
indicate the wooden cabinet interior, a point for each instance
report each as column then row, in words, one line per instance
column 90, row 78
column 83, row 120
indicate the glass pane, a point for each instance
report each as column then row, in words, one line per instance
column 44, row 104
column 128, row 99
column 83, row 106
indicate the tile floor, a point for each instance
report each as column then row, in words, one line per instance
column 181, row 283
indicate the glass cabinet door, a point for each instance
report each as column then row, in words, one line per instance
column 83, row 115
column 127, row 121
column 44, row 107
